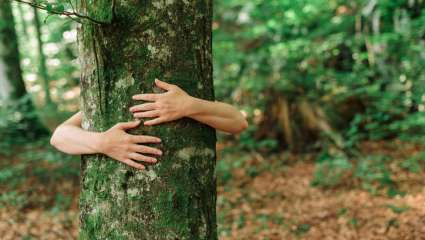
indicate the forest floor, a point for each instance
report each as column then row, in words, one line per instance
column 258, row 198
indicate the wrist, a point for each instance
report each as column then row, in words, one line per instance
column 190, row 108
column 99, row 143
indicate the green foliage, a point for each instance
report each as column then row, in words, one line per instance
column 398, row 209
column 302, row 229
column 362, row 61
column 353, row 222
column 13, row 198
column 374, row 169
column 414, row 163
column 31, row 170
column 332, row 52
column 224, row 167
column 330, row 169
column 248, row 142
column 18, row 123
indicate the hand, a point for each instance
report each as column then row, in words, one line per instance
column 163, row 107
column 126, row 148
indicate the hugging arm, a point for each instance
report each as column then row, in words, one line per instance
column 69, row 137
column 176, row 103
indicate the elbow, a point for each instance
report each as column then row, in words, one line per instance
column 57, row 142
column 53, row 139
column 241, row 127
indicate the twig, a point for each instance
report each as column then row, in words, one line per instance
column 72, row 15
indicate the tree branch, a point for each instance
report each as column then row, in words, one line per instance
column 73, row 15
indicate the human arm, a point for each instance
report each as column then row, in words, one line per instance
column 69, row 137
column 176, row 103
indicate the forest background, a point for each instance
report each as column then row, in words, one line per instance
column 334, row 92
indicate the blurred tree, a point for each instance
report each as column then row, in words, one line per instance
column 137, row 42
column 42, row 69
column 23, row 21
column 12, row 87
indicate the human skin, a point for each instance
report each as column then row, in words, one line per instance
column 173, row 104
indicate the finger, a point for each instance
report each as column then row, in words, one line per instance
column 145, row 139
column 155, row 121
column 146, row 97
column 148, row 114
column 140, row 157
column 134, row 164
column 127, row 125
column 163, row 85
column 146, row 149
column 143, row 107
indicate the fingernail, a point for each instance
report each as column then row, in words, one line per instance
column 154, row 160
column 159, row 153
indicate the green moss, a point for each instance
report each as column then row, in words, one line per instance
column 101, row 10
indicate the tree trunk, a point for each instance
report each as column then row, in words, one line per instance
column 12, row 87
column 11, row 82
column 42, row 69
column 23, row 21
column 142, row 40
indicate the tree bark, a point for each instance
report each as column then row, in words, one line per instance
column 142, row 40
column 12, row 86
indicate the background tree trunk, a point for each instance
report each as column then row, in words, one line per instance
column 176, row 198
column 42, row 68
column 11, row 82
column 23, row 21
column 12, row 86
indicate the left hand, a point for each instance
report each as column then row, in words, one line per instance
column 162, row 107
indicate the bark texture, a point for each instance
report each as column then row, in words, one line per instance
column 175, row 198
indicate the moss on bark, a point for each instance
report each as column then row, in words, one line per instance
column 175, row 198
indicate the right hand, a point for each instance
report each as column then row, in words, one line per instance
column 126, row 148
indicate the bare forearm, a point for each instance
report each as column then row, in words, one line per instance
column 218, row 115
column 74, row 140
column 175, row 103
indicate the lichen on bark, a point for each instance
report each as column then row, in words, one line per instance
column 175, row 198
